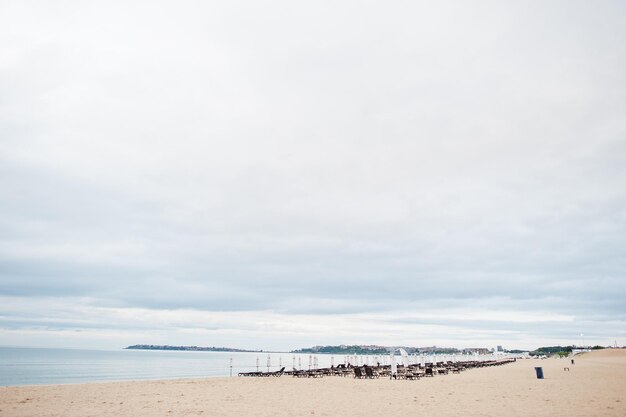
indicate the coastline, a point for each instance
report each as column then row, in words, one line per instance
column 594, row 386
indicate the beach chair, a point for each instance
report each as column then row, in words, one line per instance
column 250, row 374
column 357, row 373
column 278, row 373
column 328, row 371
column 412, row 374
column 371, row 373
column 429, row 372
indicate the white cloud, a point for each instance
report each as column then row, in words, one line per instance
column 315, row 160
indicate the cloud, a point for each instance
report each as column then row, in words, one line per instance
column 456, row 167
column 276, row 330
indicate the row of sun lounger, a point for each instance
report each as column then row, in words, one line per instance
column 274, row 374
column 412, row 372
column 419, row 371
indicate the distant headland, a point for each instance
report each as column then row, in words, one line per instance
column 382, row 350
column 188, row 348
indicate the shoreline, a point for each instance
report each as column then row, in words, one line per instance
column 594, row 386
column 44, row 366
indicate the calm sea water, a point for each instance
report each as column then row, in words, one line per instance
column 31, row 366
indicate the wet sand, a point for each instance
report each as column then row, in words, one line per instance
column 594, row 386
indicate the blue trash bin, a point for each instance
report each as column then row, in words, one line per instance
column 539, row 372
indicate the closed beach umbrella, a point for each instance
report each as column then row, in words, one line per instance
column 394, row 366
column 268, row 363
column 405, row 357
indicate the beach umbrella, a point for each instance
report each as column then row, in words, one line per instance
column 405, row 357
column 299, row 362
column 332, row 361
column 310, row 360
column 294, row 361
column 280, row 362
column 257, row 364
column 268, row 363
column 394, row 366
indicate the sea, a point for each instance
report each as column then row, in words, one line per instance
column 41, row 366
column 44, row 366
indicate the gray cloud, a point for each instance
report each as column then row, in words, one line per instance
column 319, row 161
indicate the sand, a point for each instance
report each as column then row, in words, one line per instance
column 594, row 386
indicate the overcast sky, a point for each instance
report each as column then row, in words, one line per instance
column 275, row 175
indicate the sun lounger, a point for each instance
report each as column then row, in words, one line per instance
column 277, row 373
column 250, row 374
column 314, row 373
column 371, row 373
column 412, row 374
column 299, row 373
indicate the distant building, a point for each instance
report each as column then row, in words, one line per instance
column 500, row 349
column 480, row 351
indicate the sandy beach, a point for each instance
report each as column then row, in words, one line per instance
column 594, row 386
